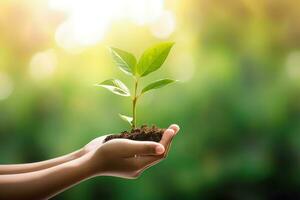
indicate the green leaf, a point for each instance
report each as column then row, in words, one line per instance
column 153, row 58
column 126, row 118
column 124, row 60
column 115, row 86
column 157, row 84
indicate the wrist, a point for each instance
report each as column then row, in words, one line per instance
column 79, row 153
column 92, row 162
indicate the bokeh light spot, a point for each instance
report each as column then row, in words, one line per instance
column 6, row 86
column 293, row 65
column 164, row 26
column 43, row 64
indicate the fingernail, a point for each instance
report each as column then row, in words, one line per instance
column 171, row 131
column 177, row 127
column 159, row 149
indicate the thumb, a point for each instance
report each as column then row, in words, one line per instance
column 133, row 148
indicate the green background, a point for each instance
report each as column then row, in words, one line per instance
column 238, row 104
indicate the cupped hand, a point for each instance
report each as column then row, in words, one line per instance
column 127, row 158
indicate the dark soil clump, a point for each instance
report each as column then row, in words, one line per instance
column 144, row 133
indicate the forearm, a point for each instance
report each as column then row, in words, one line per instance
column 45, row 183
column 31, row 167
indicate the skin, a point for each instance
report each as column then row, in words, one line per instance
column 31, row 167
column 119, row 158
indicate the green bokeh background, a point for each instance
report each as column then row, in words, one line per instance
column 238, row 104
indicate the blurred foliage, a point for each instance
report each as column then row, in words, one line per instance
column 238, row 105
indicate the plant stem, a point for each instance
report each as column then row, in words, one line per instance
column 134, row 101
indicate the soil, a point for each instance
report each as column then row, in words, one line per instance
column 144, row 133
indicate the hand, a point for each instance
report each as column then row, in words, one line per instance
column 127, row 158
column 119, row 157
column 94, row 144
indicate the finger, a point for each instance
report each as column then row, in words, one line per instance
column 146, row 161
column 167, row 138
column 175, row 128
column 140, row 148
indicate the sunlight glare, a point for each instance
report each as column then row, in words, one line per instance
column 88, row 20
column 144, row 11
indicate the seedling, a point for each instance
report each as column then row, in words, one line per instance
column 150, row 61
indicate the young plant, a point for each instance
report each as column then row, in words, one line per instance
column 150, row 61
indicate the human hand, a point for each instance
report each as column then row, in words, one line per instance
column 127, row 158
column 94, row 144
